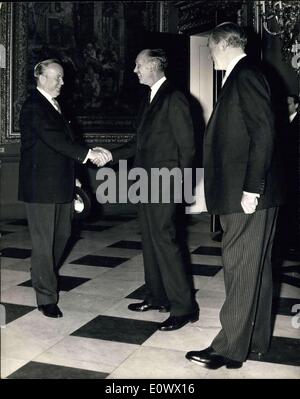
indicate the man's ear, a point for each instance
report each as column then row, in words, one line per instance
column 152, row 66
column 223, row 44
column 42, row 79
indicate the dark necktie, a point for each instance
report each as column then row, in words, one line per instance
column 149, row 97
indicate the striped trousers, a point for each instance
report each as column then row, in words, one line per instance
column 246, row 313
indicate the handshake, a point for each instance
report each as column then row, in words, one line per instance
column 99, row 156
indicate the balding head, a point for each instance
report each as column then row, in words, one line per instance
column 49, row 76
column 150, row 66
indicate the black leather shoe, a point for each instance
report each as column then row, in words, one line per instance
column 50, row 310
column 209, row 359
column 144, row 306
column 176, row 322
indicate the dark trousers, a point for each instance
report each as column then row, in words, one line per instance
column 246, row 313
column 50, row 229
column 165, row 275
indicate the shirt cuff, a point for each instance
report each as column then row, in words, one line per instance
column 251, row 194
column 87, row 156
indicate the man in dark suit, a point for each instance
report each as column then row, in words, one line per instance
column 46, row 180
column 242, row 185
column 292, row 214
column 164, row 139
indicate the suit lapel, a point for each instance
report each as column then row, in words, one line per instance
column 142, row 112
column 43, row 100
column 159, row 94
column 45, row 103
column 148, row 108
column 225, row 87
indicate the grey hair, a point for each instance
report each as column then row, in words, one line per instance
column 41, row 66
column 295, row 98
column 233, row 34
column 158, row 56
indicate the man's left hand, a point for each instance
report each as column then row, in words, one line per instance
column 249, row 202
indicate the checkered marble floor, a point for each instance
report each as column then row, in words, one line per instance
column 99, row 338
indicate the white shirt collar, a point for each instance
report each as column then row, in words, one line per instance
column 48, row 97
column 292, row 116
column 231, row 65
column 156, row 86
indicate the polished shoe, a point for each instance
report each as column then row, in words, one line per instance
column 50, row 310
column 176, row 322
column 144, row 306
column 210, row 359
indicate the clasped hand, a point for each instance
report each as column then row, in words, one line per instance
column 100, row 156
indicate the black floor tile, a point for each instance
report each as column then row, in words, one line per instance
column 214, row 251
column 65, row 283
column 191, row 221
column 99, row 261
column 127, row 244
column 282, row 351
column 294, row 281
column 281, row 275
column 119, row 218
column 4, row 233
column 117, row 329
column 70, row 245
column 283, row 306
column 20, row 222
column 138, row 293
column 294, row 257
column 14, row 311
column 90, row 227
column 35, row 370
column 205, row 270
column 19, row 253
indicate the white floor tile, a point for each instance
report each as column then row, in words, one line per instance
column 95, row 304
column 11, row 278
column 162, row 355
column 10, row 365
column 107, row 287
column 19, row 295
column 89, row 354
column 185, row 339
column 82, row 271
column 156, row 363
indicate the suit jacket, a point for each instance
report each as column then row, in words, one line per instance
column 240, row 152
column 164, row 132
column 48, row 153
column 292, row 157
